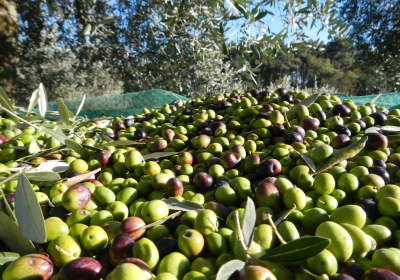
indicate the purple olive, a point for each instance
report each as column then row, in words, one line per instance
column 81, row 269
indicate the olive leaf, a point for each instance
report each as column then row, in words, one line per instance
column 6, row 103
column 91, row 148
column 57, row 134
column 12, row 237
column 374, row 99
column 28, row 212
column 61, row 126
column 91, row 120
column 298, row 249
column 80, row 106
column 76, row 147
column 9, row 210
column 63, row 111
column 34, row 147
column 106, row 138
column 7, row 257
column 41, row 153
column 306, row 102
column 42, row 176
column 33, row 101
column 393, row 138
column 42, row 100
column 120, row 143
column 307, row 160
column 174, row 204
column 383, row 129
column 249, row 221
column 162, row 221
column 159, row 155
column 229, row 269
column 348, row 152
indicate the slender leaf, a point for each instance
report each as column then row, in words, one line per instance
column 159, row 155
column 77, row 179
column 41, row 153
column 42, row 176
column 32, row 118
column 63, row 111
column 6, row 103
column 34, row 147
column 91, row 120
column 306, row 102
column 88, row 29
column 52, row 166
column 107, row 139
column 249, row 221
column 33, row 101
column 80, row 106
column 57, row 134
column 60, row 126
column 11, row 235
column 307, row 160
column 393, row 138
column 374, row 99
column 174, row 204
column 7, row 257
column 228, row 269
column 121, row 143
column 42, row 100
column 28, row 212
column 77, row 148
column 297, row 250
column 348, row 152
column 91, row 148
column 9, row 210
column 262, row 15
column 162, row 221
column 382, row 129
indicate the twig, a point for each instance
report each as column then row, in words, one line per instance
column 271, row 222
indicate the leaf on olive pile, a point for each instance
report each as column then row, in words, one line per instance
column 374, row 99
column 42, row 100
column 162, row 221
column 174, row 204
column 159, row 155
column 34, row 147
column 249, row 221
column 42, row 176
column 382, row 129
column 33, row 101
column 120, row 143
column 8, row 208
column 76, row 147
column 80, row 106
column 228, row 269
column 63, row 111
column 6, row 103
column 297, row 250
column 393, row 138
column 307, row 160
column 91, row 148
column 343, row 154
column 42, row 153
column 12, row 236
column 28, row 212
column 7, row 257
column 306, row 102
column 57, row 134
column 61, row 126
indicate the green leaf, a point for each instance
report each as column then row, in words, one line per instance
column 7, row 257
column 12, row 236
column 343, row 154
column 107, row 20
column 307, row 160
column 297, row 250
column 91, row 148
column 42, row 100
column 57, row 134
column 159, row 155
column 6, row 103
column 77, row 148
column 80, row 106
column 9, row 210
column 306, row 102
column 121, row 143
column 63, row 111
column 87, row 30
column 249, row 221
column 34, row 147
column 42, row 176
column 41, row 153
column 228, row 269
column 174, row 204
column 28, row 212
column 162, row 221
column 262, row 15
column 33, row 101
column 393, row 138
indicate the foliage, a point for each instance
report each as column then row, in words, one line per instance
column 376, row 32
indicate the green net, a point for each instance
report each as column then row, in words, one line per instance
column 122, row 104
column 387, row 100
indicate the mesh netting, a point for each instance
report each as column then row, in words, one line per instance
column 387, row 100
column 122, row 104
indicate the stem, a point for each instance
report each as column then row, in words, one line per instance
column 286, row 119
column 214, row 225
column 59, row 249
column 284, row 217
column 21, row 119
column 271, row 222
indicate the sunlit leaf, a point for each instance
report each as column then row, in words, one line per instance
column 228, row 269
column 174, row 204
column 33, row 101
column 34, row 147
column 306, row 102
column 249, row 221
column 307, row 160
column 63, row 111
column 159, row 155
column 42, row 100
column 162, row 221
column 77, row 148
column 8, row 257
column 28, row 212
column 42, row 176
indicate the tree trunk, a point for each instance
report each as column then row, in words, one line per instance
column 8, row 46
